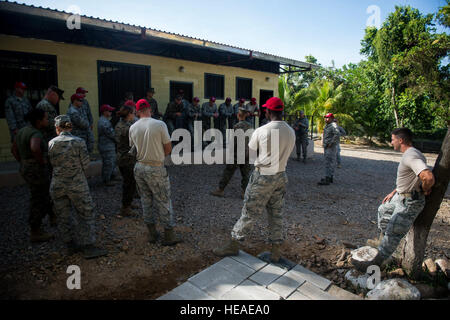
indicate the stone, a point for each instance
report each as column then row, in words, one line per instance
column 186, row 291
column 287, row 283
column 357, row 280
column 282, row 263
column 314, row 293
column 394, row 289
column 251, row 289
column 342, row 294
column 312, row 277
column 340, row 264
column 298, row 296
column 249, row 260
column 430, row 266
column 267, row 275
column 396, row 273
column 363, row 257
column 444, row 265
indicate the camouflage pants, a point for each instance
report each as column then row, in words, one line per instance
column 330, row 160
column 229, row 172
column 154, row 186
column 108, row 164
column 37, row 179
column 338, row 154
column 74, row 192
column 301, row 144
column 263, row 191
column 395, row 218
column 90, row 142
column 129, row 185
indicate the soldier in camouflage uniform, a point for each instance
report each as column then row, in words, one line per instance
column 80, row 123
column 209, row 109
column 86, row 110
column 151, row 139
column 253, row 110
column 48, row 104
column 69, row 187
column 329, row 141
column 16, row 107
column 301, row 132
column 174, row 114
column 106, row 144
column 231, row 168
column 226, row 112
column 267, row 185
column 126, row 160
column 30, row 149
column 194, row 114
column 401, row 207
column 236, row 107
column 153, row 103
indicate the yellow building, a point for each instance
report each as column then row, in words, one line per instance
column 44, row 47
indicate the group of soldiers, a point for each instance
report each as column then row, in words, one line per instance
column 53, row 151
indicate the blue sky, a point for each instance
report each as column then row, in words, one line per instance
column 327, row 29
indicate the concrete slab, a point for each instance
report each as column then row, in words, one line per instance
column 286, row 284
column 249, row 260
column 297, row 296
column 267, row 275
column 236, row 267
column 314, row 293
column 249, row 290
column 312, row 277
column 186, row 291
column 214, row 274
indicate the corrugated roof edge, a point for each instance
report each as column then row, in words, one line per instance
column 119, row 26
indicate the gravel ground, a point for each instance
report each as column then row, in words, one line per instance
column 318, row 219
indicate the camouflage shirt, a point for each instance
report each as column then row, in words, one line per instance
column 49, row 132
column 68, row 156
column 195, row 112
column 207, row 110
column 173, row 108
column 330, row 135
column 244, row 125
column 79, row 121
column 154, row 106
column 124, row 158
column 106, row 135
column 302, row 125
column 226, row 111
column 86, row 109
column 15, row 110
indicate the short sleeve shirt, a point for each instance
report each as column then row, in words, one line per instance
column 149, row 135
column 413, row 162
column 23, row 139
column 273, row 158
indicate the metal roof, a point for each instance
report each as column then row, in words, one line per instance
column 144, row 32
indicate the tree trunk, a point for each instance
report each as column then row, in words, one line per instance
column 413, row 250
column 394, row 107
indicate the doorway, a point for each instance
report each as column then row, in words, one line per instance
column 264, row 95
column 187, row 87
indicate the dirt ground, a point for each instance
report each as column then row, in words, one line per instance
column 319, row 222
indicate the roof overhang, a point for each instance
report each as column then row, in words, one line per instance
column 27, row 21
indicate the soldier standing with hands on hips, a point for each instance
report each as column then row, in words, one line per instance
column 267, row 185
column 329, row 140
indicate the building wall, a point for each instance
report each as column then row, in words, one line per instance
column 77, row 66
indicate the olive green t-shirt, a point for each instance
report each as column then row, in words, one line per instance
column 23, row 139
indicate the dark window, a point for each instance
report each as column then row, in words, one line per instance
column 214, row 85
column 115, row 79
column 244, row 88
column 176, row 86
column 37, row 71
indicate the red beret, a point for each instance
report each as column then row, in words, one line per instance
column 129, row 103
column 106, row 107
column 20, row 85
column 81, row 90
column 76, row 96
column 329, row 115
column 212, row 99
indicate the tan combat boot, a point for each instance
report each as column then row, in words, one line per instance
column 170, row 238
column 230, row 249
column 37, row 235
column 127, row 212
column 153, row 235
column 375, row 243
column 218, row 193
column 275, row 254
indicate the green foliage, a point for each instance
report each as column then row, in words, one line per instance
column 403, row 82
